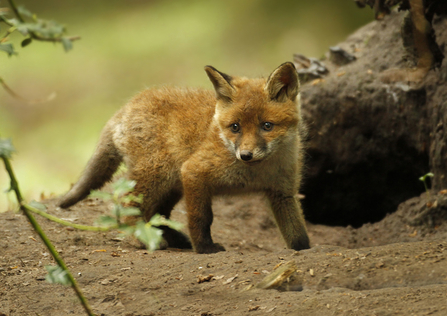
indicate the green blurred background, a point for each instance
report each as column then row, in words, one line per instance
column 127, row 46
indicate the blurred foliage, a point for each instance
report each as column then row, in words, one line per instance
column 19, row 19
column 129, row 45
column 57, row 274
column 6, row 148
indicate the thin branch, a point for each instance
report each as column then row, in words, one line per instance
column 16, row 11
column 6, row 21
column 14, row 185
column 52, row 39
column 26, row 210
column 18, row 97
column 8, row 32
column 66, row 223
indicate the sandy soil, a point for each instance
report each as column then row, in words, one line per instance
column 393, row 267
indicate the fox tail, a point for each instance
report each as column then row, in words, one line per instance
column 100, row 169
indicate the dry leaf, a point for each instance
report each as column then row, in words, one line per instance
column 201, row 278
column 253, row 308
column 316, row 81
column 230, row 280
column 278, row 276
column 99, row 250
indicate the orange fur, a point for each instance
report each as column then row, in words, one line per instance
column 185, row 142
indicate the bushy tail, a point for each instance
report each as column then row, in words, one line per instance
column 99, row 170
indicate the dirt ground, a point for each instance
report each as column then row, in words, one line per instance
column 393, row 267
column 396, row 266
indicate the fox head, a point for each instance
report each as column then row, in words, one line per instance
column 256, row 116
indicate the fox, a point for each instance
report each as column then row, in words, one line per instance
column 246, row 136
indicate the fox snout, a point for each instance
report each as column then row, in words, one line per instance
column 250, row 156
column 246, row 155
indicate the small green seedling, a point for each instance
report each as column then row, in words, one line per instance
column 423, row 178
column 121, row 197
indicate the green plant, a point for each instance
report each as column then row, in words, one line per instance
column 121, row 197
column 423, row 178
column 32, row 28
column 123, row 201
column 18, row 19
column 56, row 274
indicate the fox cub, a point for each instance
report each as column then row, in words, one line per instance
column 245, row 137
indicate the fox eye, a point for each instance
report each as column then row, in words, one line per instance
column 235, row 127
column 267, row 126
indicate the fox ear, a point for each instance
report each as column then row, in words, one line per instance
column 283, row 83
column 221, row 83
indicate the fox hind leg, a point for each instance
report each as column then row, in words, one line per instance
column 156, row 203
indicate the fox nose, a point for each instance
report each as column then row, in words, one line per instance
column 246, row 155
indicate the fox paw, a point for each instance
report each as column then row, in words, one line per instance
column 176, row 239
column 301, row 243
column 209, row 248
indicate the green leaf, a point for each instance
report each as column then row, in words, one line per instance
column 117, row 209
column 130, row 211
column 44, row 28
column 23, row 11
column 100, row 195
column 26, row 41
column 23, row 28
column 148, row 235
column 431, row 175
column 126, row 230
column 123, row 186
column 39, row 206
column 56, row 274
column 106, row 221
column 158, row 220
column 132, row 198
column 51, row 28
column 14, row 21
column 66, row 42
column 6, row 148
column 8, row 48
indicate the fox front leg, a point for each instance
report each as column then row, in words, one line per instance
column 290, row 219
column 200, row 216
